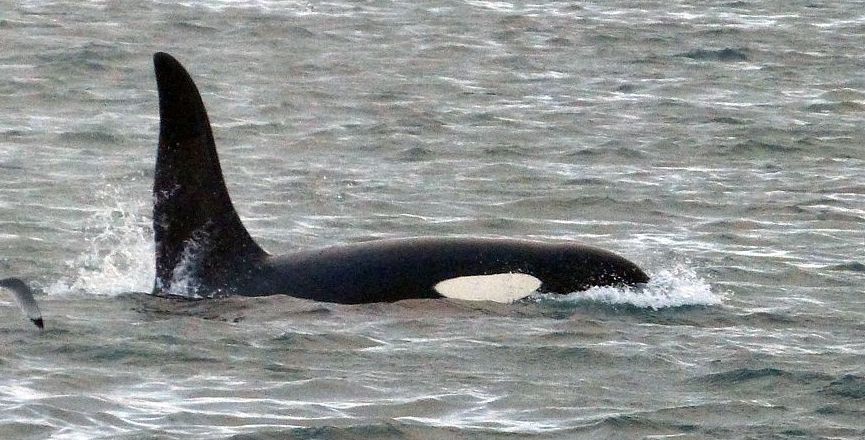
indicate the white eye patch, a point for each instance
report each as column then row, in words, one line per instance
column 500, row 287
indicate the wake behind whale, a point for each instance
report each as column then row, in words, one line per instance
column 203, row 249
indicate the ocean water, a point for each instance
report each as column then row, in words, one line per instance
column 719, row 145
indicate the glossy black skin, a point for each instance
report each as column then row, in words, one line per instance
column 193, row 211
column 391, row 270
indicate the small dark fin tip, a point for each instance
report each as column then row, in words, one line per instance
column 162, row 61
column 157, row 56
column 39, row 323
column 13, row 282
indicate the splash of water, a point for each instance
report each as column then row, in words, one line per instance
column 184, row 281
column 119, row 255
column 676, row 287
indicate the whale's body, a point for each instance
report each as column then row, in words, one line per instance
column 203, row 249
column 391, row 270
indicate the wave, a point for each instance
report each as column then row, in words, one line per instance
column 120, row 249
column 86, row 137
column 752, row 146
column 853, row 266
column 849, row 386
column 321, row 342
column 676, row 287
column 747, row 375
column 841, row 107
column 89, row 57
column 724, row 55
column 385, row 430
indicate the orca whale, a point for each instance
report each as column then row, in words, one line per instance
column 203, row 249
column 24, row 297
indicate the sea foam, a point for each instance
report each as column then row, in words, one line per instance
column 119, row 254
column 675, row 287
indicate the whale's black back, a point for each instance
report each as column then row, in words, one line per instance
column 396, row 269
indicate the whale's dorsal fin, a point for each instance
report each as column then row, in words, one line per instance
column 200, row 239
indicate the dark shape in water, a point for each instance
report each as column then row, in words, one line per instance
column 203, row 249
column 725, row 55
column 24, row 297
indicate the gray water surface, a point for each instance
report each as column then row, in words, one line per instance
column 719, row 145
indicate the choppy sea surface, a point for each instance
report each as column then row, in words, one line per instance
column 719, row 145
